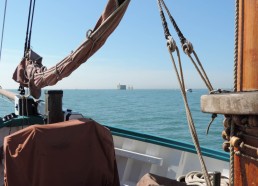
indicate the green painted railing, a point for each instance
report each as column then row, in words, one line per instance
column 170, row 143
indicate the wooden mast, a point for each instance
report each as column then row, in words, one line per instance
column 248, row 46
column 241, row 108
column 246, row 169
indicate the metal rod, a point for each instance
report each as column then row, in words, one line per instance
column 216, row 178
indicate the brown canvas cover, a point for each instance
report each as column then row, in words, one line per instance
column 150, row 179
column 72, row 153
column 34, row 75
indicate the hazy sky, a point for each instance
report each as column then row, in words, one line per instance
column 135, row 54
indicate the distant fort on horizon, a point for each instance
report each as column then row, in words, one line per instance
column 123, row 87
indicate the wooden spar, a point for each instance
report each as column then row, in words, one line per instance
column 246, row 169
column 7, row 94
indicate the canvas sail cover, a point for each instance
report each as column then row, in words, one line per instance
column 75, row 152
column 31, row 73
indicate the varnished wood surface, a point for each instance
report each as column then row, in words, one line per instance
column 245, row 169
column 53, row 99
column 248, row 46
column 7, row 94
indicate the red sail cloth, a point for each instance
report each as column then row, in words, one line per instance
column 77, row 152
column 41, row 77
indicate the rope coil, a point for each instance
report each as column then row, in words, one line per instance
column 197, row 178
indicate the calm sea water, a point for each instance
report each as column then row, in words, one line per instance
column 156, row 112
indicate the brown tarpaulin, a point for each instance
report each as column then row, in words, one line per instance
column 72, row 153
column 40, row 77
column 155, row 180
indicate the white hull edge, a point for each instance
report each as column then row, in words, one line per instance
column 136, row 158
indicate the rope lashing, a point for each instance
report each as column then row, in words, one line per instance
column 56, row 72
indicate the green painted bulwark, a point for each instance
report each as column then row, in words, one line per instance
column 21, row 121
column 168, row 143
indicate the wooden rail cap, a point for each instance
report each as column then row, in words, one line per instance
column 241, row 103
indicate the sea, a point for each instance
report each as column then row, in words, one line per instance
column 156, row 112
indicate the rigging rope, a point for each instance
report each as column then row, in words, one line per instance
column 188, row 114
column 3, row 29
column 179, row 33
column 231, row 148
column 188, row 49
column 32, row 16
column 236, row 43
column 28, row 36
column 29, row 26
column 171, row 48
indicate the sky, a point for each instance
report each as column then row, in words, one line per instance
column 135, row 54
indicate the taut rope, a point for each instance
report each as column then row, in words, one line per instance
column 29, row 26
column 188, row 50
column 235, row 89
column 171, row 48
column 2, row 37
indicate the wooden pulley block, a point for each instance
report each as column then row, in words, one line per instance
column 227, row 130
column 225, row 146
column 226, row 122
column 235, row 141
column 224, row 135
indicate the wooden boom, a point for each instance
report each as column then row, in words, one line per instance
column 7, row 94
